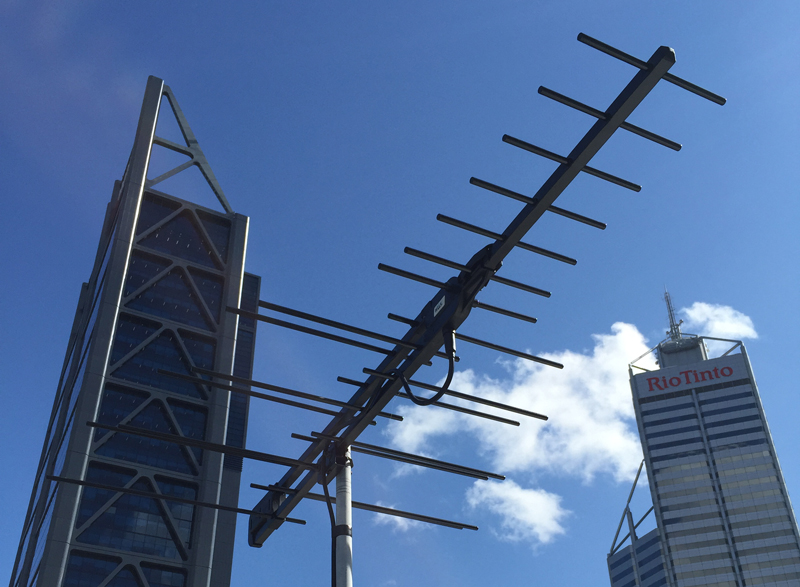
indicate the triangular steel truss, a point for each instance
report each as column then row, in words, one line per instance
column 191, row 149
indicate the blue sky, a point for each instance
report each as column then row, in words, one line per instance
column 342, row 129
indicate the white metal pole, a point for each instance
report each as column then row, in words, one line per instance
column 344, row 525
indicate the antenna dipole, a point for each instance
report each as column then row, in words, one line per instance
column 674, row 325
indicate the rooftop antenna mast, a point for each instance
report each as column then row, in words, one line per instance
column 429, row 336
column 674, row 331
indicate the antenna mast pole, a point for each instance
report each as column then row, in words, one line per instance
column 674, row 325
column 344, row 524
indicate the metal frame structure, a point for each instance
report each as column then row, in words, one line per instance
column 720, row 501
column 437, row 325
column 72, row 503
column 431, row 334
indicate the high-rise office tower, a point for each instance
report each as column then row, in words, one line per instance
column 722, row 511
column 164, row 274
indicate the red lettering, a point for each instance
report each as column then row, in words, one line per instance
column 654, row 381
column 703, row 375
column 729, row 371
column 716, row 372
column 677, row 381
column 686, row 374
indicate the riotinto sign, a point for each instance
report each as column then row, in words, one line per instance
column 687, row 376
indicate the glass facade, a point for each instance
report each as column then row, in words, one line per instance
column 640, row 564
column 170, row 322
column 723, row 514
column 170, row 318
column 154, row 307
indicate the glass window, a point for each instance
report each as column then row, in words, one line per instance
column 744, row 406
column 192, row 420
column 141, row 269
column 724, row 385
column 211, row 288
column 171, row 297
column 686, row 441
column 672, row 420
column 118, row 402
column 623, row 573
column 131, row 332
column 201, row 349
column 127, row 577
column 725, row 398
column 672, row 431
column 153, row 210
column 162, row 353
column 625, row 559
column 219, row 230
column 88, row 569
column 243, row 357
column 731, row 421
column 655, row 570
column 182, row 513
column 180, row 238
column 160, row 576
column 678, row 455
column 148, row 451
column 133, row 524
column 663, row 409
column 92, row 498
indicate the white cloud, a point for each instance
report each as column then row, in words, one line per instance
column 588, row 403
column 591, row 429
column 532, row 515
column 718, row 321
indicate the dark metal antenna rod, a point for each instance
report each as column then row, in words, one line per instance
column 504, row 312
column 408, row 457
column 339, row 325
column 284, row 390
column 222, row 448
column 441, row 404
column 522, row 286
column 403, row 319
column 581, row 107
column 526, row 200
column 314, row 332
column 435, row 259
column 483, row 343
column 668, row 77
column 502, row 349
column 496, row 236
column 565, row 161
column 465, row 396
column 161, row 496
column 412, row 276
column 454, row 265
column 372, row 508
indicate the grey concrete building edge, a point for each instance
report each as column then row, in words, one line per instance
column 203, row 542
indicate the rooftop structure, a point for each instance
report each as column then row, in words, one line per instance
column 113, row 503
column 722, row 510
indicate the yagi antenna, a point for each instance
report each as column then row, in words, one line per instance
column 434, row 331
column 432, row 334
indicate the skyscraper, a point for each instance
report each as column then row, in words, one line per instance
column 164, row 274
column 722, row 511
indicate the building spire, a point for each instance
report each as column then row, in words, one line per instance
column 674, row 331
